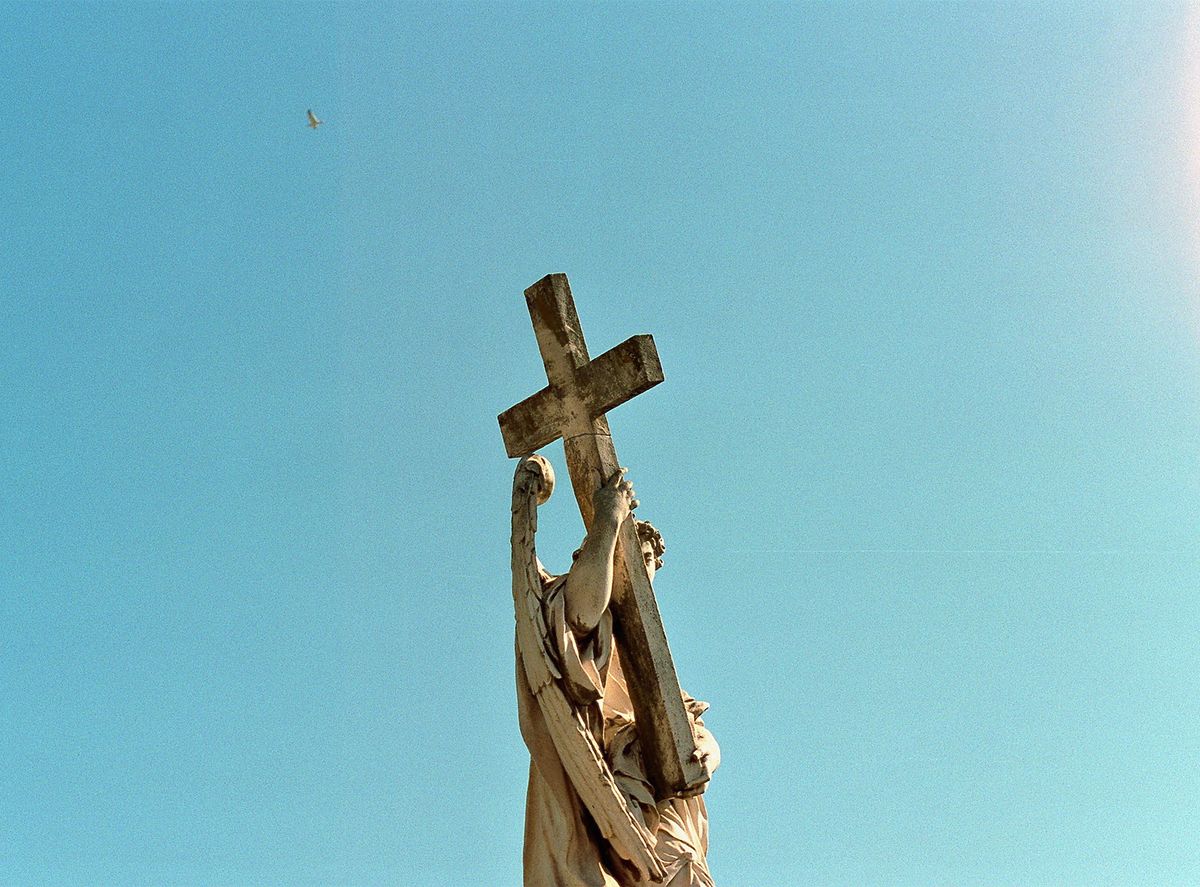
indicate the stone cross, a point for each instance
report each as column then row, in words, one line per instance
column 572, row 407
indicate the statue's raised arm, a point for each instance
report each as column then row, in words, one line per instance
column 589, row 583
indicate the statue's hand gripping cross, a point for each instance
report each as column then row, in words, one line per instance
column 572, row 407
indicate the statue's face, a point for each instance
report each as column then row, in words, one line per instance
column 649, row 558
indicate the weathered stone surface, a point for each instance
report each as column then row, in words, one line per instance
column 572, row 407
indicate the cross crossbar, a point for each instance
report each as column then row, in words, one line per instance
column 605, row 383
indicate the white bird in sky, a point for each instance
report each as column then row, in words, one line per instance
column 312, row 119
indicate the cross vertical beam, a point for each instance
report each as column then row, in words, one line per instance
column 572, row 407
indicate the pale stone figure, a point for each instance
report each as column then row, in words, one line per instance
column 593, row 816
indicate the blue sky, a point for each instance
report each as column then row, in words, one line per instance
column 923, row 282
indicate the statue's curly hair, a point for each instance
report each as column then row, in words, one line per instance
column 647, row 532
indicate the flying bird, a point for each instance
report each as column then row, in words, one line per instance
column 312, row 119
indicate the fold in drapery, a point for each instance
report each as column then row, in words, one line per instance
column 562, row 846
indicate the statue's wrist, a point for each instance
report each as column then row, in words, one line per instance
column 606, row 524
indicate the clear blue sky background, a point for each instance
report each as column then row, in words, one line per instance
column 924, row 283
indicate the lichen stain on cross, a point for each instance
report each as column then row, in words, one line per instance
column 572, row 407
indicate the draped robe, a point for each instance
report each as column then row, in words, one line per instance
column 563, row 847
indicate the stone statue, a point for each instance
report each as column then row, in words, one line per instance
column 595, row 816
column 619, row 754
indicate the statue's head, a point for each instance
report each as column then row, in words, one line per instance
column 652, row 545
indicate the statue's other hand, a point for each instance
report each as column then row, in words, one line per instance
column 708, row 767
column 707, row 753
column 614, row 499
